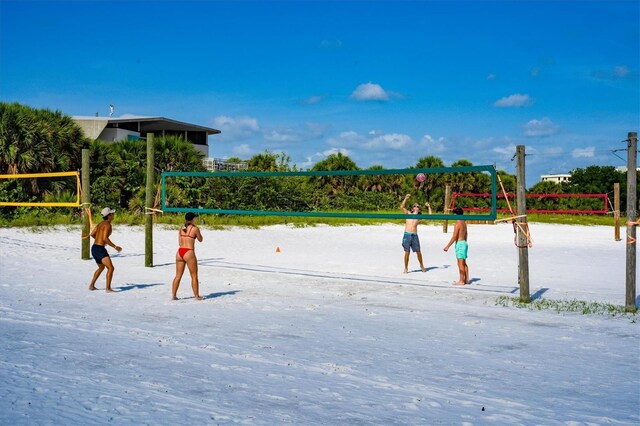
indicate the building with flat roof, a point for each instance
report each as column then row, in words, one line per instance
column 111, row 129
column 559, row 178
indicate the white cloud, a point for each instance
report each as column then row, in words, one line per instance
column 331, row 44
column 618, row 72
column 621, row 71
column 243, row 150
column 540, row 128
column 553, row 151
column 491, row 77
column 505, row 152
column 388, row 141
column 588, row 152
column 236, row 128
column 514, row 101
column 433, row 146
column 370, row 92
column 282, row 135
column 315, row 130
column 373, row 141
column 311, row 160
column 348, row 138
column 312, row 100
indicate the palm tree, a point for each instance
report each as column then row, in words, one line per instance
column 19, row 148
column 38, row 141
column 333, row 184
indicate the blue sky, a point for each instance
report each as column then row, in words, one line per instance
column 382, row 82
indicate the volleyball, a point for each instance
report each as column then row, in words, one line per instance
column 420, row 177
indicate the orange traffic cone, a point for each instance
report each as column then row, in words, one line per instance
column 277, row 249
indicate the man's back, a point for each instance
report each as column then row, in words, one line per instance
column 461, row 230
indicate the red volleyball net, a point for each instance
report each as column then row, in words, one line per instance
column 536, row 203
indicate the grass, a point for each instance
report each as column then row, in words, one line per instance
column 569, row 306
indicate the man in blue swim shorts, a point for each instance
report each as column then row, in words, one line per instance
column 101, row 235
column 459, row 237
column 410, row 240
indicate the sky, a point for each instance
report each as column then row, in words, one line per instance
column 385, row 83
column 327, row 331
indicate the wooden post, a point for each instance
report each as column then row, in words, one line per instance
column 447, row 207
column 149, row 196
column 632, row 216
column 523, row 251
column 616, row 211
column 86, row 203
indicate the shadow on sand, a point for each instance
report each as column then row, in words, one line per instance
column 538, row 294
column 215, row 295
column 135, row 286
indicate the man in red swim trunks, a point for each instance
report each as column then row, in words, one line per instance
column 99, row 252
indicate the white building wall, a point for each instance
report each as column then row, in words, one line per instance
column 555, row 178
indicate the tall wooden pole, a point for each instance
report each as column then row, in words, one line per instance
column 447, row 205
column 523, row 251
column 632, row 216
column 616, row 211
column 150, row 195
column 86, row 203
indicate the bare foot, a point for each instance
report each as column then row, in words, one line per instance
column 199, row 298
column 405, row 272
column 459, row 283
column 423, row 269
column 174, row 298
column 108, row 290
column 92, row 288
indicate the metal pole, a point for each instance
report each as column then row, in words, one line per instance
column 86, row 203
column 148, row 230
column 616, row 211
column 523, row 251
column 632, row 216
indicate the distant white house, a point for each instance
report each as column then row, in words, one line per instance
column 111, row 129
column 559, row 178
column 221, row 165
column 623, row 169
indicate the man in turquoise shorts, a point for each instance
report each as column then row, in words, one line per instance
column 459, row 237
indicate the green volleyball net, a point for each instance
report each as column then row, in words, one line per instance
column 373, row 193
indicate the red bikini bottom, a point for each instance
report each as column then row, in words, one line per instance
column 182, row 251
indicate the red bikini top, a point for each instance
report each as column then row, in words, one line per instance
column 186, row 233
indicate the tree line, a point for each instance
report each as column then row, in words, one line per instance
column 41, row 140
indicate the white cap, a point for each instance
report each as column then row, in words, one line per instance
column 107, row 211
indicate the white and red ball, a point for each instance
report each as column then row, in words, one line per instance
column 420, row 177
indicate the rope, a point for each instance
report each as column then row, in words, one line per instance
column 517, row 225
column 86, row 208
column 630, row 239
column 153, row 210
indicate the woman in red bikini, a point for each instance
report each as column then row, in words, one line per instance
column 186, row 255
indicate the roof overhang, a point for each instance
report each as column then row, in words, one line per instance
column 145, row 124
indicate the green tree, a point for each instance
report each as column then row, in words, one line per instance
column 332, row 185
column 596, row 179
column 39, row 141
column 269, row 162
column 174, row 153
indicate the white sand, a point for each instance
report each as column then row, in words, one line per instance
column 326, row 331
